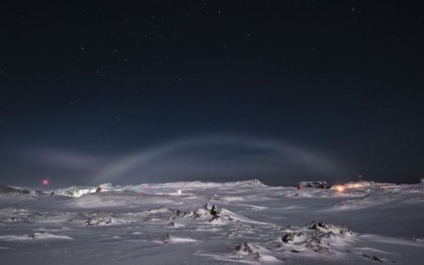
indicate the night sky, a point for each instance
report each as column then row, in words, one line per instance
column 130, row 92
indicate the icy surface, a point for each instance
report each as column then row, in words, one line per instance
column 242, row 222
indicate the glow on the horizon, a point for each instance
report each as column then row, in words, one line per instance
column 218, row 155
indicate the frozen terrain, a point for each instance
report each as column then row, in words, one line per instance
column 242, row 222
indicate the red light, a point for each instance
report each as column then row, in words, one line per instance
column 45, row 182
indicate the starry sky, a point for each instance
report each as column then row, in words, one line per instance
column 130, row 92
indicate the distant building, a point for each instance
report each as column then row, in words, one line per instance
column 314, row 184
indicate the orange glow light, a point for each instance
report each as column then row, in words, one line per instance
column 340, row 188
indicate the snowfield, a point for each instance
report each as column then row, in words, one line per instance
column 243, row 222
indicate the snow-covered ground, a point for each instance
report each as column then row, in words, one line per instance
column 242, row 222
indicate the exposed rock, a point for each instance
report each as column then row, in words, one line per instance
column 316, row 237
column 325, row 227
column 247, row 249
column 290, row 228
column 374, row 258
column 8, row 189
column 166, row 238
column 288, row 237
column 215, row 210
column 99, row 220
